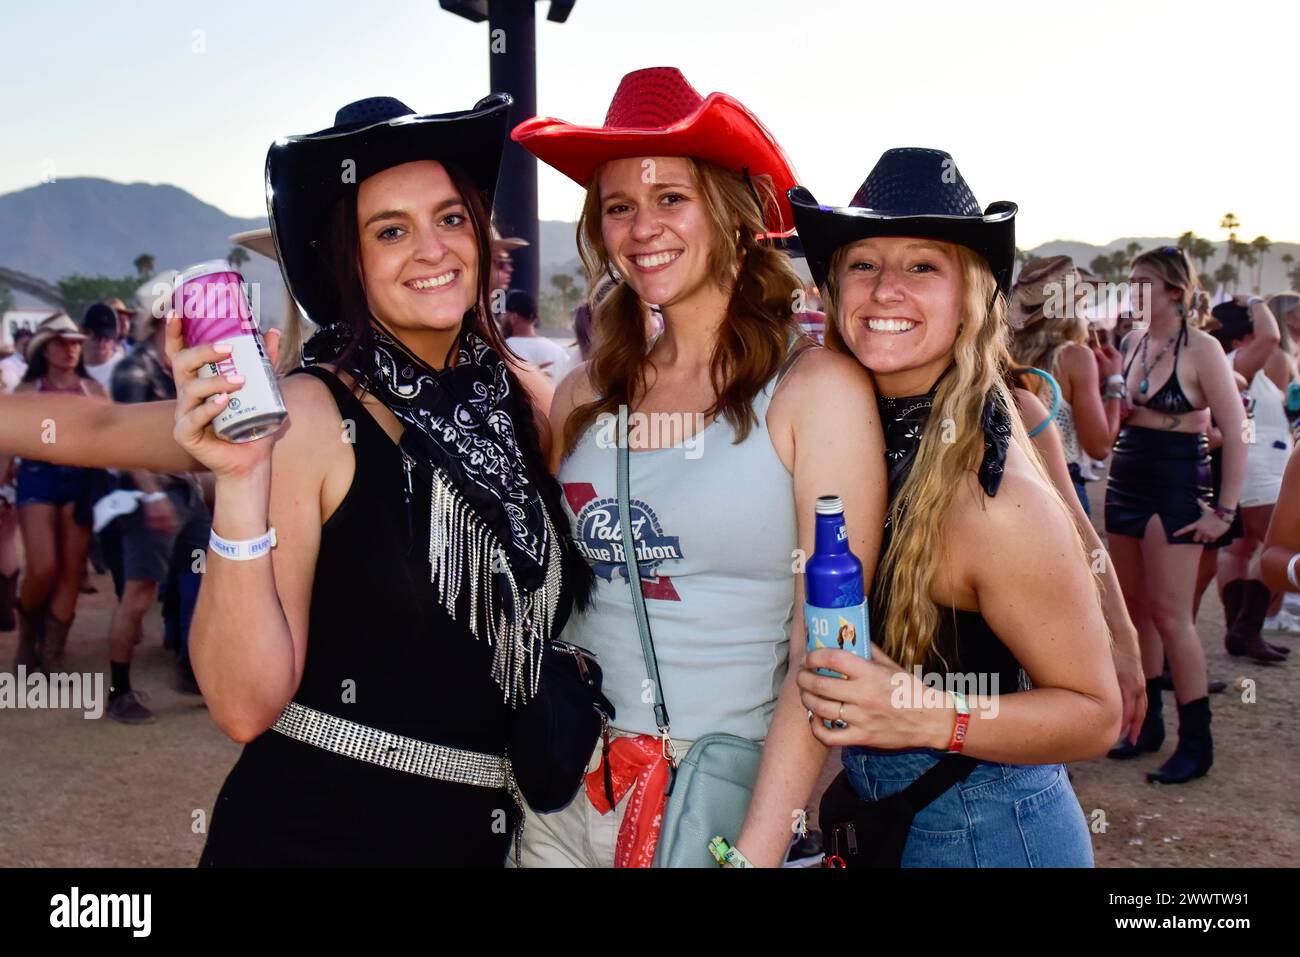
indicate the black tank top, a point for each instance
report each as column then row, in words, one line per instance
column 964, row 643
column 381, row 651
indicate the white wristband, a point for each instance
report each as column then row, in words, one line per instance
column 1116, row 379
column 242, row 551
column 153, row 497
column 1290, row 571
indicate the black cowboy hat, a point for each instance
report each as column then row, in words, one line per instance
column 306, row 175
column 910, row 192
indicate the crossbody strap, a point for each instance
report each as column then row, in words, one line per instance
column 634, row 582
column 950, row 769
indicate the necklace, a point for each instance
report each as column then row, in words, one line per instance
column 1146, row 369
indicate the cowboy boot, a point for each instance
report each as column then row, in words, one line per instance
column 1233, row 595
column 1195, row 751
column 1152, row 735
column 1245, row 637
column 29, row 638
column 56, row 640
column 8, row 601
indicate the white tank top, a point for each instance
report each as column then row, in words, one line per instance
column 715, row 531
column 1267, row 455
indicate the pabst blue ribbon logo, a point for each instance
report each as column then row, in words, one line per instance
column 600, row 539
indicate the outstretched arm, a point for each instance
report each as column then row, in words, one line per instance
column 79, row 430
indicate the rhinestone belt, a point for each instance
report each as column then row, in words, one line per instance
column 394, row 751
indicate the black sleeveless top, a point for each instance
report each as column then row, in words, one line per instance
column 383, row 652
column 964, row 643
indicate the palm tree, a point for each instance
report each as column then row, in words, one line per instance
column 1231, row 223
column 1225, row 275
column 1249, row 259
column 237, row 256
column 143, row 265
column 1261, row 245
column 1132, row 249
column 1201, row 251
column 1187, row 241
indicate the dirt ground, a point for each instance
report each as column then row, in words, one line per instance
column 79, row 793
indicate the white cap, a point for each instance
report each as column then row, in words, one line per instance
column 830, row 505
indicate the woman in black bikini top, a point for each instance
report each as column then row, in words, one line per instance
column 1160, row 482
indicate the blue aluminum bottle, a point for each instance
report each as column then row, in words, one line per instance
column 835, row 609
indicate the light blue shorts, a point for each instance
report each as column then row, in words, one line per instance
column 1003, row 815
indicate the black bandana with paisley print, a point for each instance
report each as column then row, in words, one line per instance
column 459, row 423
column 904, row 420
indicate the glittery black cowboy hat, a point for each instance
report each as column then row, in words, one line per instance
column 306, row 175
column 910, row 192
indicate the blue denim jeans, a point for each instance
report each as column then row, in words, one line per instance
column 1003, row 815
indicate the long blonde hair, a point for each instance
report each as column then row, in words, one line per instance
column 953, row 444
column 755, row 332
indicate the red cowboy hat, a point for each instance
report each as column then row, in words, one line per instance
column 655, row 112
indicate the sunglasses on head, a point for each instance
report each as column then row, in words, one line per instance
column 1175, row 251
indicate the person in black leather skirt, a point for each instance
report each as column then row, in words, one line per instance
column 1160, row 508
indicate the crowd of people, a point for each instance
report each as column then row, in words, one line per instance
column 958, row 411
column 145, row 529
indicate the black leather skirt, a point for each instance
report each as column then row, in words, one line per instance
column 1155, row 472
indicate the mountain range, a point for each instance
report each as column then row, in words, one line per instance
column 92, row 226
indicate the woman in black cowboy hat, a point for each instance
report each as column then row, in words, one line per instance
column 385, row 571
column 983, row 577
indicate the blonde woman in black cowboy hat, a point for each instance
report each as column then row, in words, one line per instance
column 385, row 571
column 983, row 577
column 53, row 502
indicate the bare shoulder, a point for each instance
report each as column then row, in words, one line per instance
column 1027, row 509
column 1202, row 342
column 313, row 413
column 575, row 389
column 819, row 366
column 539, row 388
column 1074, row 356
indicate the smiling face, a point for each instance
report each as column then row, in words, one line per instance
column 658, row 234
column 418, row 250
column 898, row 309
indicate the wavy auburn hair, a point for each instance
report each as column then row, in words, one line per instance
column 980, row 361
column 755, row 331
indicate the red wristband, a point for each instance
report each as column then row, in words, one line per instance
column 959, row 728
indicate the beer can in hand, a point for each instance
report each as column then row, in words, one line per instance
column 213, row 304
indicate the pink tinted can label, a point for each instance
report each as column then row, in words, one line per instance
column 213, row 303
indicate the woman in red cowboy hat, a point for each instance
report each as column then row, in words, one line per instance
column 915, row 277
column 679, row 189
column 386, row 571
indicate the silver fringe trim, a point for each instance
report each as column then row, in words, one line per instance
column 462, row 549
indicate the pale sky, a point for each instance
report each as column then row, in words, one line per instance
column 1104, row 119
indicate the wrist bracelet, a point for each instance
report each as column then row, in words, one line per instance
column 148, row 497
column 963, row 722
column 1290, row 571
column 244, row 550
column 1225, row 514
column 1115, row 379
column 1114, row 394
column 725, row 853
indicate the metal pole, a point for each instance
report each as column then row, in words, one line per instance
column 512, row 57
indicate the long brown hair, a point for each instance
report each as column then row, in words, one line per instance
column 755, row 331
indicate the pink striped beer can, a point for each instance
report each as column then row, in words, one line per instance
column 213, row 304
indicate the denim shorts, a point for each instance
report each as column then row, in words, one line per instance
column 1003, row 815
